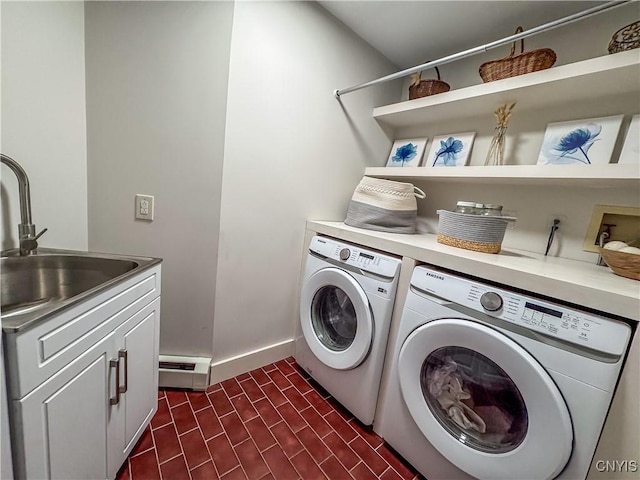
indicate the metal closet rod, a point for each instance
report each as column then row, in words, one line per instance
column 486, row 47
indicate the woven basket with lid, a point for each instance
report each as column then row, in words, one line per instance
column 515, row 65
column 472, row 232
column 627, row 38
column 423, row 88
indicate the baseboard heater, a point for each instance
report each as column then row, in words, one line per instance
column 184, row 372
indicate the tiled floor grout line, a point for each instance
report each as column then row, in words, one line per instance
column 178, row 435
column 155, row 450
column 390, row 466
column 321, row 416
column 295, row 402
column 173, row 458
column 140, row 453
column 224, row 432
column 304, row 448
column 308, row 425
column 201, row 435
column 348, row 422
column 276, row 440
column 179, row 443
column 199, row 465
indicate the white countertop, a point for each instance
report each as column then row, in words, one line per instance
column 581, row 283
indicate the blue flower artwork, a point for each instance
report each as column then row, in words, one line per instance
column 407, row 152
column 451, row 150
column 576, row 144
column 583, row 142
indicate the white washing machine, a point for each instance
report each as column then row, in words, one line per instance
column 491, row 384
column 346, row 303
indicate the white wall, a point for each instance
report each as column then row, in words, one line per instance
column 535, row 204
column 156, row 99
column 43, row 119
column 573, row 42
column 291, row 153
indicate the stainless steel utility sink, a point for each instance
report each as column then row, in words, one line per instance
column 37, row 286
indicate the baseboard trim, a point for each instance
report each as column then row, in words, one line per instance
column 233, row 366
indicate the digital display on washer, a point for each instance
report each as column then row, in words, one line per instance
column 546, row 310
column 370, row 257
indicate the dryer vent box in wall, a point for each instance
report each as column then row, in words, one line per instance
column 184, row 372
column 619, row 222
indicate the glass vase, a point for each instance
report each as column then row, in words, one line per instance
column 495, row 155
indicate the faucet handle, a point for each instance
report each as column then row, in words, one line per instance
column 31, row 244
column 40, row 234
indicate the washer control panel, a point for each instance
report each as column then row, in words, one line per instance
column 592, row 331
column 355, row 256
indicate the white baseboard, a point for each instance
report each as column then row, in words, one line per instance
column 233, row 366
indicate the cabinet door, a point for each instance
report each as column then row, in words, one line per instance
column 137, row 345
column 62, row 432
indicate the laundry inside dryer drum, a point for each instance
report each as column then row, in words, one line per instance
column 333, row 318
column 474, row 399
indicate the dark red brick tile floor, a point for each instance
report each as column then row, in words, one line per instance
column 273, row 423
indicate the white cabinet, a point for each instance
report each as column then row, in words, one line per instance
column 137, row 400
column 83, row 384
column 65, row 420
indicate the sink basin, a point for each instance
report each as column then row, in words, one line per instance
column 38, row 285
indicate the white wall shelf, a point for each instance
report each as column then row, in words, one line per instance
column 617, row 74
column 581, row 283
column 609, row 175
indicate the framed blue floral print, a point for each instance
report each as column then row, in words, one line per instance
column 584, row 142
column 451, row 150
column 407, row 153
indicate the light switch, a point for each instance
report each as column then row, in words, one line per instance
column 144, row 207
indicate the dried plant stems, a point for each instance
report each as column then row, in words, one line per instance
column 495, row 155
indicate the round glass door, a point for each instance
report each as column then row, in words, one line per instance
column 474, row 399
column 483, row 401
column 336, row 318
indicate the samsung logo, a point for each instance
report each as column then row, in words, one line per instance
column 433, row 275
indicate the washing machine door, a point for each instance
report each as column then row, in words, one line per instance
column 336, row 318
column 484, row 402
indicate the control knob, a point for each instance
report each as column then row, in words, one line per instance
column 345, row 253
column 491, row 301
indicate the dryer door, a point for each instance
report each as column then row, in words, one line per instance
column 336, row 318
column 484, row 402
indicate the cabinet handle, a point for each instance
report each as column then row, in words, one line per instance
column 123, row 354
column 115, row 399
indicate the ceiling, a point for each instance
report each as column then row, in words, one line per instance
column 412, row 32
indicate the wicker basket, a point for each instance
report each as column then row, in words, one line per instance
column 627, row 38
column 623, row 264
column 513, row 66
column 472, row 232
column 423, row 88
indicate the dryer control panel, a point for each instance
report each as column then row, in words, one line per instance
column 355, row 256
column 595, row 332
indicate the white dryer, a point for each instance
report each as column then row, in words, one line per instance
column 491, row 384
column 346, row 301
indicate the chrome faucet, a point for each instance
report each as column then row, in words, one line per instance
column 26, row 230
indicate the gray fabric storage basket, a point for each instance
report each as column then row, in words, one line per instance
column 384, row 205
column 472, row 232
